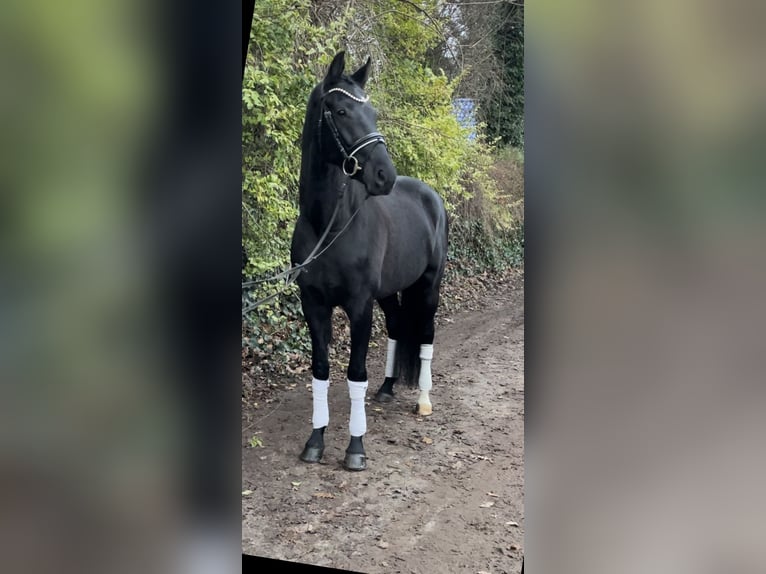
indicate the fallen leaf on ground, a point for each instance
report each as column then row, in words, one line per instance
column 303, row 528
column 295, row 483
column 493, row 494
column 323, row 495
column 511, row 523
column 247, row 492
column 428, row 440
column 255, row 441
column 486, row 504
column 382, row 544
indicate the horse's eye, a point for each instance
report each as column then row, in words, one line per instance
column 341, row 112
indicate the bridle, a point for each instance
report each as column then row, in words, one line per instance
column 361, row 143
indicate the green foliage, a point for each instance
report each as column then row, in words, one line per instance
column 286, row 54
column 278, row 326
column 474, row 248
column 286, row 57
column 415, row 108
column 425, row 139
column 503, row 111
column 487, row 227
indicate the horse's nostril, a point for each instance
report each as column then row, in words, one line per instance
column 381, row 175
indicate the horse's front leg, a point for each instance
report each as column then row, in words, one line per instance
column 319, row 319
column 360, row 316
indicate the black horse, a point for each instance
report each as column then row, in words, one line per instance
column 389, row 244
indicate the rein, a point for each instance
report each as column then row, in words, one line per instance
column 293, row 272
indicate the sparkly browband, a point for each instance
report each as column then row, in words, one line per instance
column 352, row 96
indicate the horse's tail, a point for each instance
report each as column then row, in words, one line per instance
column 410, row 333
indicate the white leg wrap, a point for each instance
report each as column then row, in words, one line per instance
column 357, row 423
column 424, row 380
column 390, row 356
column 321, row 411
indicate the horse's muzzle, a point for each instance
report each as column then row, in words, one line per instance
column 379, row 173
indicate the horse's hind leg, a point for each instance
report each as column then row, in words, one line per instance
column 360, row 316
column 319, row 319
column 391, row 310
column 428, row 313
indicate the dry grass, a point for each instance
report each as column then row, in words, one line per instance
column 498, row 200
column 508, row 173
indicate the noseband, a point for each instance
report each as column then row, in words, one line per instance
column 362, row 142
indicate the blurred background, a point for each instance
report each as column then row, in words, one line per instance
column 120, row 146
column 645, row 139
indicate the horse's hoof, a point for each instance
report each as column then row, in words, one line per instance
column 382, row 397
column 422, row 410
column 355, row 461
column 312, row 454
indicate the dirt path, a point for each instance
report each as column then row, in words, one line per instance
column 442, row 494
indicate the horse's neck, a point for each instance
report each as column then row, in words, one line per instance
column 320, row 193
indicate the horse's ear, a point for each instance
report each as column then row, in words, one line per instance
column 361, row 75
column 336, row 67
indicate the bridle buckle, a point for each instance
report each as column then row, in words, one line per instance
column 354, row 170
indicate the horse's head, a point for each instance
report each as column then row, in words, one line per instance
column 348, row 135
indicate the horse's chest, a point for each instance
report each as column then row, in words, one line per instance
column 336, row 283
